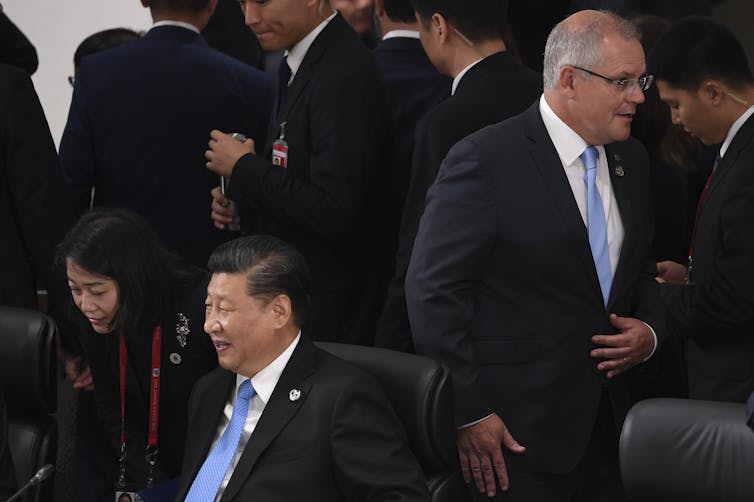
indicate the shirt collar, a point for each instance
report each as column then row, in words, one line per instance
column 180, row 24
column 460, row 75
column 401, row 34
column 266, row 379
column 295, row 56
column 568, row 143
column 734, row 130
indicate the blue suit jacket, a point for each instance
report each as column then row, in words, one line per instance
column 139, row 125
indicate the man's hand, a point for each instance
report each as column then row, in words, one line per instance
column 222, row 214
column 481, row 455
column 671, row 272
column 625, row 350
column 225, row 151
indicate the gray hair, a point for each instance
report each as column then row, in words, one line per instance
column 581, row 45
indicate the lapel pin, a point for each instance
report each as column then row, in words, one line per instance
column 294, row 394
column 616, row 157
column 619, row 171
column 175, row 358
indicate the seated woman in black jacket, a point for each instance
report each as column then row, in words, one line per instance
column 142, row 313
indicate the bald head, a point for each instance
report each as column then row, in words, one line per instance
column 578, row 40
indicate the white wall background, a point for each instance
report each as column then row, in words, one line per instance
column 56, row 27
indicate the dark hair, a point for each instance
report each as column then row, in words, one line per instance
column 477, row 20
column 696, row 48
column 400, row 11
column 272, row 267
column 119, row 244
column 178, row 6
column 125, row 496
column 103, row 40
column 652, row 124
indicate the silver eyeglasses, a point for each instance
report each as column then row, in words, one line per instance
column 623, row 84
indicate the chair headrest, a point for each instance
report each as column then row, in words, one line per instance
column 681, row 449
column 27, row 361
column 419, row 390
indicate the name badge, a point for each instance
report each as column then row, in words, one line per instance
column 280, row 148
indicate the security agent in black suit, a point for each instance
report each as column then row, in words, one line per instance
column 334, row 120
column 413, row 86
column 464, row 41
column 15, row 48
column 503, row 285
column 704, row 77
column 314, row 428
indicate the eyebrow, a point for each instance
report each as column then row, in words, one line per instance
column 94, row 283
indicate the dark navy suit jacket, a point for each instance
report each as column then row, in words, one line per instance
column 139, row 125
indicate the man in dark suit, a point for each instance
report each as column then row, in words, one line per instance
column 34, row 213
column 531, row 288
column 413, row 87
column 15, row 48
column 139, row 120
column 321, row 188
column 464, row 41
column 704, row 77
column 282, row 419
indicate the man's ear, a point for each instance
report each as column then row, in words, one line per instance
column 712, row 91
column 567, row 79
column 212, row 6
column 145, row 3
column 439, row 27
column 281, row 310
column 379, row 8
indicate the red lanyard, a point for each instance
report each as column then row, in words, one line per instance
column 696, row 218
column 154, row 402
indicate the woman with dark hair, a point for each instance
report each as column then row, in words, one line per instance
column 142, row 312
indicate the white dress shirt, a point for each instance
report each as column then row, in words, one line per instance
column 264, row 383
column 180, row 24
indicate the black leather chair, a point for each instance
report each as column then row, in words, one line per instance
column 420, row 392
column 27, row 372
column 686, row 450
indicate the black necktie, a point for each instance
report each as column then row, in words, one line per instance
column 284, row 75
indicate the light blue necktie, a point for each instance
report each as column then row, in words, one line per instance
column 212, row 472
column 596, row 224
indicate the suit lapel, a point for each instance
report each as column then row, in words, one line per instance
column 618, row 171
column 551, row 170
column 727, row 163
column 304, row 74
column 277, row 413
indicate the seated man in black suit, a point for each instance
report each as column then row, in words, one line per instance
column 703, row 75
column 464, row 41
column 282, row 419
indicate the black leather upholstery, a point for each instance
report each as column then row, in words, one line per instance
column 27, row 371
column 686, row 450
column 420, row 392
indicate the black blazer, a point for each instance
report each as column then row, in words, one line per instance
column 493, row 90
column 139, row 124
column 181, row 367
column 716, row 313
column 34, row 212
column 503, row 289
column 413, row 87
column 339, row 441
column 326, row 202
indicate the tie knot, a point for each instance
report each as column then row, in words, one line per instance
column 590, row 158
column 284, row 73
column 246, row 391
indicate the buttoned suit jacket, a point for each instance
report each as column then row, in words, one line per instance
column 503, row 289
column 716, row 313
column 139, row 124
column 337, row 439
column 327, row 202
column 493, row 90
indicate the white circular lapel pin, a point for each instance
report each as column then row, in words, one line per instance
column 175, row 358
column 294, row 394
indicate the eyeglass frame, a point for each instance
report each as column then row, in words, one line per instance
column 623, row 84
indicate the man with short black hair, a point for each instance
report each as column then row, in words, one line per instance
column 464, row 42
column 703, row 75
column 281, row 419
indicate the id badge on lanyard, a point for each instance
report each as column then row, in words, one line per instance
column 122, row 494
column 280, row 148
